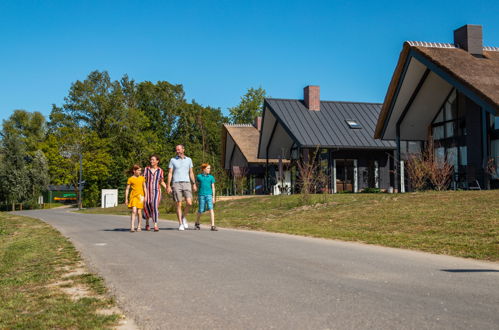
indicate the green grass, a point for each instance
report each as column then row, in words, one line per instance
column 34, row 258
column 459, row 223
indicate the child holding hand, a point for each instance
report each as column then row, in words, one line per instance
column 137, row 196
column 206, row 195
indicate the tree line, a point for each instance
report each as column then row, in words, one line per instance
column 112, row 125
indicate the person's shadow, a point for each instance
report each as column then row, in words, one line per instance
column 128, row 229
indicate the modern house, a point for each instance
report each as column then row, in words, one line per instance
column 339, row 134
column 450, row 92
column 239, row 158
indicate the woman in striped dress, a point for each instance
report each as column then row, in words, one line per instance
column 154, row 180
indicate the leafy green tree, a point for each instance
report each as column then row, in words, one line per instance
column 249, row 108
column 38, row 174
column 30, row 127
column 14, row 176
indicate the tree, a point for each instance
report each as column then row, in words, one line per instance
column 249, row 108
column 14, row 176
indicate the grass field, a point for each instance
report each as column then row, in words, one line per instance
column 43, row 284
column 459, row 223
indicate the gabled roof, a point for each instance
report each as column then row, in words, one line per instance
column 480, row 75
column 246, row 138
column 328, row 127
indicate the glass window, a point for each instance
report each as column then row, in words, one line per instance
column 353, row 123
column 449, row 129
column 452, row 157
column 440, row 117
column 448, row 111
column 494, row 154
column 440, row 154
column 438, row 132
column 463, row 155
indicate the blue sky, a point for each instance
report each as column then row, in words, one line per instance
column 218, row 49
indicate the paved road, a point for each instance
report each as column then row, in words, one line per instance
column 250, row 280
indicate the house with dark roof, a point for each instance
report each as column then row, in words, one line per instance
column 239, row 159
column 448, row 92
column 339, row 134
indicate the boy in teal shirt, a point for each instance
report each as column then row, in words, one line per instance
column 206, row 195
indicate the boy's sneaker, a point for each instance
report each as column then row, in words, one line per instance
column 184, row 222
column 181, row 227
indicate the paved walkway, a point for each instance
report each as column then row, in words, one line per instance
column 251, row 280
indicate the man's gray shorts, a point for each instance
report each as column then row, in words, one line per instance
column 181, row 189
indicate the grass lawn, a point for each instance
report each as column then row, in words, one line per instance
column 459, row 223
column 43, row 284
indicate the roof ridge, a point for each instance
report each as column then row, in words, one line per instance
column 328, row 101
column 239, row 125
column 445, row 45
column 431, row 44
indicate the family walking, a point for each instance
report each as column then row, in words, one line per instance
column 144, row 192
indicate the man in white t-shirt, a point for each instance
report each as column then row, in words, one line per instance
column 181, row 182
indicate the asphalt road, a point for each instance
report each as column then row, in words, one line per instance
column 234, row 279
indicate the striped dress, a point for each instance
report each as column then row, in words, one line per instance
column 153, row 186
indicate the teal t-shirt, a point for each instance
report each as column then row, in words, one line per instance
column 204, row 183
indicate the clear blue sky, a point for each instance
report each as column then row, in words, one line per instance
column 218, row 49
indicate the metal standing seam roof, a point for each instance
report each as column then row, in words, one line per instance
column 328, row 127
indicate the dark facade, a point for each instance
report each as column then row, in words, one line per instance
column 336, row 137
column 447, row 95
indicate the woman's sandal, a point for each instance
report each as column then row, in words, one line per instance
column 132, row 230
column 213, row 228
column 139, row 229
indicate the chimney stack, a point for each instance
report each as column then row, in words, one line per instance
column 312, row 97
column 469, row 38
column 258, row 123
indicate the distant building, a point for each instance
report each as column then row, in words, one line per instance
column 339, row 134
column 239, row 158
column 450, row 90
column 60, row 194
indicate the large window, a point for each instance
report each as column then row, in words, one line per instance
column 449, row 133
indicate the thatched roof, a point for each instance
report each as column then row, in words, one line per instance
column 478, row 74
column 246, row 137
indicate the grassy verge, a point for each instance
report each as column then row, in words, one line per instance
column 42, row 282
column 459, row 223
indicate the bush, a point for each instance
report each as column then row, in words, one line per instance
column 371, row 190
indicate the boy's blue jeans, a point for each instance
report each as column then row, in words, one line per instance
column 205, row 203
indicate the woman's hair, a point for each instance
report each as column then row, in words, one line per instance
column 135, row 168
column 204, row 165
column 155, row 156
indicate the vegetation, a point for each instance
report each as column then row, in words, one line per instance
column 249, row 108
column 459, row 223
column 111, row 125
column 37, row 277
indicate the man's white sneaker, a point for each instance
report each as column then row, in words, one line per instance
column 181, row 227
column 184, row 222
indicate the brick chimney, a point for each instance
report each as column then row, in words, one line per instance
column 469, row 38
column 312, row 97
column 258, row 123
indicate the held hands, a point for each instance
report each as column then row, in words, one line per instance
column 194, row 187
column 169, row 190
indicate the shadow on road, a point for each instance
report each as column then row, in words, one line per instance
column 128, row 229
column 470, row 270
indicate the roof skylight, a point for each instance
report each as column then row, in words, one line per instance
column 353, row 123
